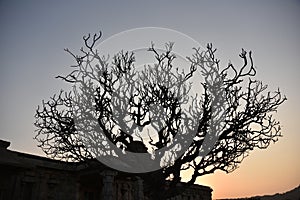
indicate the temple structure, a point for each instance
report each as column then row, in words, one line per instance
column 30, row 177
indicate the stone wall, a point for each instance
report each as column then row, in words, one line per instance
column 29, row 177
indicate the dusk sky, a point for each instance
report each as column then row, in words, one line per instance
column 34, row 34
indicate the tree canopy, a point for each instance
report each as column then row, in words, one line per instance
column 112, row 102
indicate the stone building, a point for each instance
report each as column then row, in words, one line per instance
column 29, row 177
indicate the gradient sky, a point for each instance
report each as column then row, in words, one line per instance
column 33, row 35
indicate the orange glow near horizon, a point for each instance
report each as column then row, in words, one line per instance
column 263, row 172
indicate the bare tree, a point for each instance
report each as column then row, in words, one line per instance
column 234, row 108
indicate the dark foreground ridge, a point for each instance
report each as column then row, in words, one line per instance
column 293, row 194
column 30, row 177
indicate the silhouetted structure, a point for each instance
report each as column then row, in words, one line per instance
column 30, row 177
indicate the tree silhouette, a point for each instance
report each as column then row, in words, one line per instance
column 112, row 102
